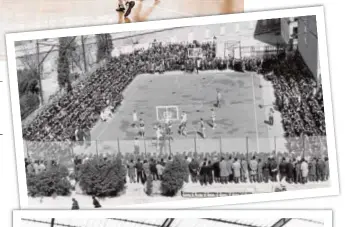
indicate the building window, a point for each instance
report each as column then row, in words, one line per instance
column 237, row 27
column 264, row 22
column 190, row 37
column 222, row 30
column 207, row 33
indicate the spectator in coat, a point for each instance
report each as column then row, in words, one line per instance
column 260, row 171
column 326, row 168
column 224, row 172
column 95, row 202
column 282, row 169
column 298, row 171
column 210, row 172
column 289, row 171
column 304, row 171
column 216, row 171
column 186, row 163
column 153, row 169
column 266, row 170
column 131, row 171
column 236, row 167
column 203, row 174
column 75, row 205
column 244, row 170
column 160, row 169
column 253, row 166
column 229, row 166
column 140, row 171
column 273, row 169
column 320, row 170
column 146, row 170
column 312, row 170
column 194, row 169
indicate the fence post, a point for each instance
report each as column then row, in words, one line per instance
column 275, row 143
column 97, row 148
column 220, row 145
column 118, row 145
column 169, row 147
column 194, row 144
column 145, row 146
column 247, row 147
column 303, row 145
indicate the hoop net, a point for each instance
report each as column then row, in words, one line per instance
column 167, row 113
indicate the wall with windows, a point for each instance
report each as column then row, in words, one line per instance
column 308, row 42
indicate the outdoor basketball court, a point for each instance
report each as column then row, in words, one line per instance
column 239, row 120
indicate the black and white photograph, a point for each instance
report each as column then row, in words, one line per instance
column 187, row 112
column 235, row 218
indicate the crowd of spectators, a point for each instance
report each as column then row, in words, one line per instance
column 297, row 99
column 223, row 170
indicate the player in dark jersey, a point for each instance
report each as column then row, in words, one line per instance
column 202, row 128
column 128, row 9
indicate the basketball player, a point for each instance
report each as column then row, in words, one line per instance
column 169, row 127
column 198, row 65
column 270, row 117
column 202, row 128
column 135, row 118
column 158, row 135
column 219, row 98
column 213, row 118
column 128, row 3
column 183, row 118
column 183, row 123
column 142, row 127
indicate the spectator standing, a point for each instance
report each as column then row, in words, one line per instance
column 75, row 205
column 95, row 202
column 304, row 171
column 131, row 171
column 236, row 166
column 253, row 165
column 260, row 171
column 194, row 169
column 224, row 172
column 140, row 171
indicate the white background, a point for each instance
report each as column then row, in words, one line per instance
column 335, row 15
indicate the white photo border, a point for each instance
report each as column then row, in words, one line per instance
column 326, row 215
column 318, row 11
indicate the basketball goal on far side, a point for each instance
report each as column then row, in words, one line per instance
column 195, row 52
column 167, row 113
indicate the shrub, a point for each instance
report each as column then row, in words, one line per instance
column 149, row 185
column 103, row 177
column 173, row 176
column 53, row 181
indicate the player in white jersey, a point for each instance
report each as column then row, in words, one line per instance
column 202, row 128
column 219, row 98
column 135, row 118
column 183, row 118
column 142, row 127
column 158, row 135
column 213, row 118
column 183, row 123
